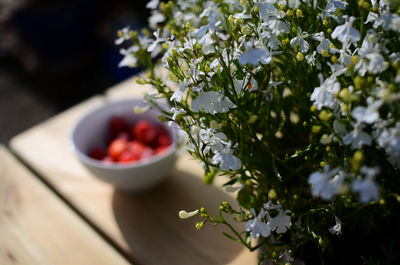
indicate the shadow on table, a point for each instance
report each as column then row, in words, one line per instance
column 155, row 234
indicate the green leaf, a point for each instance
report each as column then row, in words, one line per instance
column 246, row 198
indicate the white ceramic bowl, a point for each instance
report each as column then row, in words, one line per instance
column 91, row 131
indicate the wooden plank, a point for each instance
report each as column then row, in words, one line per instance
column 145, row 226
column 36, row 227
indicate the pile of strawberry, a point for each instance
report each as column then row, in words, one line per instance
column 128, row 143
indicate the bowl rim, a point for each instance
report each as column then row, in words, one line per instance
column 172, row 148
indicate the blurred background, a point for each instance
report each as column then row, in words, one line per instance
column 54, row 54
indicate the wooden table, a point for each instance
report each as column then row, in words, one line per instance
column 56, row 212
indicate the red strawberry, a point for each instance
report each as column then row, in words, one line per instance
column 140, row 149
column 128, row 156
column 117, row 147
column 117, row 125
column 161, row 149
column 124, row 135
column 163, row 138
column 97, row 153
column 144, row 131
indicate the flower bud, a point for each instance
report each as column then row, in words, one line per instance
column 272, row 194
column 231, row 19
column 316, row 129
column 313, row 108
column 195, row 130
column 133, row 34
column 285, row 41
column 358, row 82
column 146, row 32
column 299, row 57
column 199, row 225
column 120, row 34
column 325, row 53
column 325, row 115
column 245, row 30
column 355, row 59
column 345, row 95
column 187, row 26
column 184, row 214
column 357, row 160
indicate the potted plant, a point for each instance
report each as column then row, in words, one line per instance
column 295, row 101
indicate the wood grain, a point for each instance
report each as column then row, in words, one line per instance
column 145, row 226
column 36, row 227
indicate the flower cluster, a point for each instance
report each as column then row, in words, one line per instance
column 295, row 100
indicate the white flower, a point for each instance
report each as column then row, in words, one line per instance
column 395, row 25
column 212, row 102
column 299, row 41
column 311, row 60
column 125, row 36
column 281, row 222
column 367, row 187
column 175, row 112
column 286, row 257
column 357, row 138
column 376, row 63
column 323, row 185
column 339, row 128
column 269, row 206
column 371, row 17
column 153, row 45
column 184, row 214
column 389, row 139
column 178, row 94
column 255, row 56
column 272, row 41
column 213, row 23
column 129, row 59
column 324, row 46
column 156, row 18
column 324, row 95
column 371, row 59
column 226, row 159
column 367, row 115
column 266, row 10
column 153, row 4
column 346, row 32
column 257, row 226
column 279, row 26
column 386, row 21
column 337, row 228
column 333, row 5
column 247, row 84
column 325, row 43
column 207, row 43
